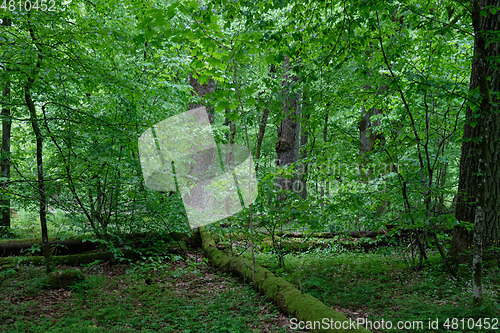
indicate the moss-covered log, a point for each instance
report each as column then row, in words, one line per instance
column 354, row 234
column 88, row 257
column 74, row 245
column 301, row 244
column 10, row 247
column 70, row 260
column 293, row 302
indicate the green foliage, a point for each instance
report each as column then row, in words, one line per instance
column 381, row 286
column 105, row 71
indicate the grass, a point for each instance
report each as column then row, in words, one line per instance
column 161, row 295
column 381, row 286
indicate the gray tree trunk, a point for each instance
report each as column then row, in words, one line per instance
column 303, row 165
column 201, row 90
column 287, row 146
column 368, row 139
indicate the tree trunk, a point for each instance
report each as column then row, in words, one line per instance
column 260, row 137
column 302, row 167
column 287, row 146
column 263, row 124
column 201, row 90
column 39, row 164
column 231, row 134
column 368, row 138
column 481, row 147
column 467, row 182
column 5, row 151
column 477, row 260
column 323, row 183
column 39, row 159
column 5, row 162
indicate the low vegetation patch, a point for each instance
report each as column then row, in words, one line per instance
column 381, row 286
column 157, row 294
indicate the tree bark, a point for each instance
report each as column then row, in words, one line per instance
column 477, row 262
column 263, row 124
column 368, row 137
column 260, row 137
column 201, row 90
column 5, row 162
column 481, row 147
column 5, row 151
column 303, row 166
column 231, row 134
column 287, row 146
column 40, row 185
column 323, row 182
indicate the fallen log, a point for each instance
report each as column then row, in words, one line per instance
column 301, row 245
column 293, row 302
column 74, row 245
column 86, row 257
column 12, row 247
column 70, row 260
column 354, row 234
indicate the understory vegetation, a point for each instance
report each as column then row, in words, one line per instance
column 351, row 147
column 159, row 294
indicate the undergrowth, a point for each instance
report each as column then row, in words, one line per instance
column 164, row 294
column 381, row 285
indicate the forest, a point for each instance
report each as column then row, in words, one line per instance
column 250, row 166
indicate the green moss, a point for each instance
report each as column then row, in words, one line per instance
column 63, row 279
column 71, row 260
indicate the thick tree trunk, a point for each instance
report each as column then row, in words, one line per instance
column 201, row 90
column 368, row 138
column 263, row 124
column 5, row 151
column 477, row 262
column 467, row 182
column 287, row 146
column 481, row 147
column 487, row 30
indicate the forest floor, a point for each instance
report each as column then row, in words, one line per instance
column 159, row 294
column 169, row 293
column 381, row 285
